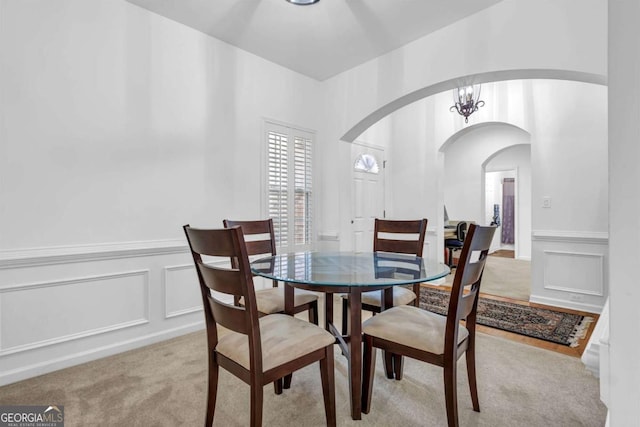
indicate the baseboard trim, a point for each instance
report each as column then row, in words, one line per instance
column 572, row 305
column 591, row 359
column 33, row 370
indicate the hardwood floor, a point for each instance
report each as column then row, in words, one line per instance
column 504, row 253
column 559, row 348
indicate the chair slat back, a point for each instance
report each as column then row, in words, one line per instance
column 393, row 265
column 405, row 236
column 235, row 280
column 463, row 303
column 259, row 237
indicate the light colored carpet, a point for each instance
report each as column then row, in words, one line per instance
column 504, row 277
column 164, row 385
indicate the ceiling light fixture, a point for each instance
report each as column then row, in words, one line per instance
column 303, row 2
column 466, row 100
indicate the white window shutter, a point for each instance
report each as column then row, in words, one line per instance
column 278, row 182
column 303, row 199
column 290, row 186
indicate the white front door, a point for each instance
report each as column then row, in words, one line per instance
column 367, row 178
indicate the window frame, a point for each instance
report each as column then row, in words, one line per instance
column 291, row 131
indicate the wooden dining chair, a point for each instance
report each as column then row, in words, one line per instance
column 258, row 350
column 432, row 338
column 406, row 237
column 260, row 240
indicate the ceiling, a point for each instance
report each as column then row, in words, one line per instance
column 319, row 40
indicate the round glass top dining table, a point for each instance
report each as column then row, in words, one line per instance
column 366, row 269
column 352, row 273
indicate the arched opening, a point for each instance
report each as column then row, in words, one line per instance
column 542, row 113
column 492, row 76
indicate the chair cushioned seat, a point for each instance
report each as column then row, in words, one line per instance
column 283, row 339
column 271, row 300
column 401, row 296
column 413, row 327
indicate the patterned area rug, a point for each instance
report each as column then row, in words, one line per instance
column 549, row 325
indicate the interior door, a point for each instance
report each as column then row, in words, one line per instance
column 367, row 189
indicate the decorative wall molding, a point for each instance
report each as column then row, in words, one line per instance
column 144, row 319
column 24, row 258
column 581, row 237
column 586, row 269
column 168, row 283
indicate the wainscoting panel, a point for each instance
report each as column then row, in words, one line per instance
column 569, row 269
column 62, row 306
column 182, row 291
column 581, row 273
column 41, row 314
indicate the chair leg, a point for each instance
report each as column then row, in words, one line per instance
column 328, row 386
column 277, row 386
column 368, row 372
column 398, row 361
column 213, row 389
column 416, row 290
column 450, row 392
column 388, row 363
column 313, row 312
column 345, row 316
column 256, row 403
column 287, row 381
column 471, row 374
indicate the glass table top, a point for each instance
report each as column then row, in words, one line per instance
column 349, row 268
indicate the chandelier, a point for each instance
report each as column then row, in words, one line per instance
column 466, row 100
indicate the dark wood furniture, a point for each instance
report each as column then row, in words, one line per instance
column 353, row 273
column 406, row 237
column 258, row 350
column 432, row 338
column 260, row 240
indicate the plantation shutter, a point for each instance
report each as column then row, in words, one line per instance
column 278, row 183
column 290, row 182
column 303, row 195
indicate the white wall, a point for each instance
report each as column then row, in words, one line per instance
column 624, row 205
column 568, row 153
column 120, row 123
column 570, row 149
column 412, row 169
column 119, row 126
